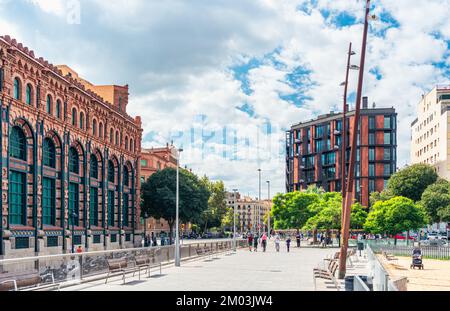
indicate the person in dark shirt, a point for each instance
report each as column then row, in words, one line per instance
column 288, row 243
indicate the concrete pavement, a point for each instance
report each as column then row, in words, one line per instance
column 245, row 270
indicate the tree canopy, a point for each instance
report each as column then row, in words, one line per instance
column 217, row 207
column 412, row 181
column 436, row 200
column 158, row 196
column 394, row 216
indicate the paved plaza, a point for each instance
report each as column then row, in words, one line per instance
column 242, row 271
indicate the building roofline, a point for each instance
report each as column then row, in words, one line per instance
column 335, row 116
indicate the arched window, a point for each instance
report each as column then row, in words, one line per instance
column 17, row 88
column 49, row 104
column 94, row 167
column 100, row 130
column 111, row 138
column 131, row 145
column 58, row 109
column 49, row 153
column 111, row 171
column 29, row 94
column 94, row 127
column 74, row 163
column 17, row 144
column 81, row 120
column 126, row 176
column 74, row 117
column 126, row 142
column 48, row 201
column 117, row 137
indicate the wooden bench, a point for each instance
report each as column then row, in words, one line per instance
column 25, row 280
column 119, row 266
column 326, row 274
column 145, row 262
column 389, row 257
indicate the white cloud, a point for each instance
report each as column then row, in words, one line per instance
column 176, row 56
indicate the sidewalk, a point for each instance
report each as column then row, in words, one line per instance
column 245, row 270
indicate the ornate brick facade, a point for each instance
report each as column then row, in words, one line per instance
column 64, row 148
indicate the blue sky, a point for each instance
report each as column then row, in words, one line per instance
column 226, row 78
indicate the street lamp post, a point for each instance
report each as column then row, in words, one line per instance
column 234, row 219
column 177, row 229
column 354, row 136
column 259, row 205
column 270, row 205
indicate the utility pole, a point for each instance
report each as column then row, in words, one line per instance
column 354, row 137
column 270, row 205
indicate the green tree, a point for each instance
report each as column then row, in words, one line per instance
column 412, row 181
column 436, row 200
column 227, row 219
column 358, row 216
column 327, row 213
column 395, row 216
column 292, row 210
column 384, row 195
column 158, row 196
column 217, row 208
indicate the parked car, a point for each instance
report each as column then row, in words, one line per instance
column 402, row 237
column 432, row 235
column 435, row 243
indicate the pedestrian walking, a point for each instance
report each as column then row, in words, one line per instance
column 298, row 239
column 250, row 241
column 288, row 243
column 277, row 243
column 79, row 250
column 143, row 242
column 264, row 241
column 255, row 243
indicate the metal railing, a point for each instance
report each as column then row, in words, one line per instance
column 80, row 267
column 380, row 277
column 359, row 285
column 432, row 252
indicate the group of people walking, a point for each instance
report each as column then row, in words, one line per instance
column 253, row 242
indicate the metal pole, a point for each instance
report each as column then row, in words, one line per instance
column 73, row 220
column 234, row 220
column 259, row 205
column 177, row 234
column 344, row 133
column 270, row 205
column 349, row 194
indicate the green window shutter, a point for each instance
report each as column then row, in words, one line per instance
column 93, row 207
column 17, row 198
column 125, row 209
column 111, row 209
column 73, row 204
column 48, row 201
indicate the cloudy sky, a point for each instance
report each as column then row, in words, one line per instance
column 225, row 79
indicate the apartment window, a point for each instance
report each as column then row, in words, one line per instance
column 111, row 215
column 387, row 154
column 371, row 123
column 387, row 169
column 49, row 104
column 49, row 153
column 387, row 138
column 387, row 122
column 372, row 170
column 28, row 94
column 17, row 144
column 17, row 88
column 144, row 163
column 371, row 138
column 371, row 154
column 371, row 185
column 125, row 209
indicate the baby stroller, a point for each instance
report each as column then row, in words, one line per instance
column 417, row 259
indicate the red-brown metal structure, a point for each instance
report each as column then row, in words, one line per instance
column 351, row 172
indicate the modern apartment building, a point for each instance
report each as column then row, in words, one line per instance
column 314, row 152
column 430, row 131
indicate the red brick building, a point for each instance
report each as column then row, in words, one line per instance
column 153, row 160
column 314, row 152
column 70, row 159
